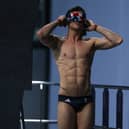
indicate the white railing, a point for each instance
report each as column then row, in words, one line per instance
column 41, row 85
column 44, row 83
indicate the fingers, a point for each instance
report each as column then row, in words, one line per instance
column 92, row 26
column 87, row 23
column 91, row 22
column 62, row 20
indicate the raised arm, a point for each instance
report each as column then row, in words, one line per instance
column 109, row 40
column 44, row 33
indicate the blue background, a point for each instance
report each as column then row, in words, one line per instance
column 109, row 67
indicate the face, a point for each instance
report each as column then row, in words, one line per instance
column 76, row 19
column 75, row 16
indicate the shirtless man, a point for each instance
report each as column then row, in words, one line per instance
column 74, row 56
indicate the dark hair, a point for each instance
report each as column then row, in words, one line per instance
column 76, row 8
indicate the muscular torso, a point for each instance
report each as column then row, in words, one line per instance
column 74, row 64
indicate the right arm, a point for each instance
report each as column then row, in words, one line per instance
column 110, row 39
column 44, row 33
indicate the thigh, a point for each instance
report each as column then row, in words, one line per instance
column 66, row 116
column 85, row 117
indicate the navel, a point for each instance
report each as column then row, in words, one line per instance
column 64, row 54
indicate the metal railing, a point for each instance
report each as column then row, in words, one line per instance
column 119, row 105
column 105, row 119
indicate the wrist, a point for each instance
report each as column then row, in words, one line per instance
column 95, row 27
column 55, row 23
column 58, row 21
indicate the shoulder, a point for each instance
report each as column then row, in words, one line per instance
column 90, row 40
column 52, row 41
column 57, row 42
column 57, row 48
column 95, row 40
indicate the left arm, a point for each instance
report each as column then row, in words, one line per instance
column 110, row 39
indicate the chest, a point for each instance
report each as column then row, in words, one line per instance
column 76, row 50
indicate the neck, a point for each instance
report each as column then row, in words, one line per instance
column 73, row 35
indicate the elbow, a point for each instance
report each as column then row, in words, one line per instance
column 38, row 35
column 41, row 35
column 119, row 40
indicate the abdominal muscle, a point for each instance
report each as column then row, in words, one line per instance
column 74, row 77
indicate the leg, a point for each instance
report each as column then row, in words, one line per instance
column 85, row 117
column 66, row 116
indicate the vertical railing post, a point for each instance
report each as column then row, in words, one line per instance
column 105, row 107
column 94, row 94
column 22, row 122
column 119, row 109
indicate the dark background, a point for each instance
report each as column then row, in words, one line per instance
column 19, row 20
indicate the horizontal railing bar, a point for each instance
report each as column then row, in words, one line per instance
column 110, row 86
column 94, row 85
column 40, row 121
column 102, row 127
column 55, row 121
column 45, row 82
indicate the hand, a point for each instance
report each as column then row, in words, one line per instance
column 92, row 26
column 62, row 20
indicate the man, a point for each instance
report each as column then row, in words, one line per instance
column 74, row 56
